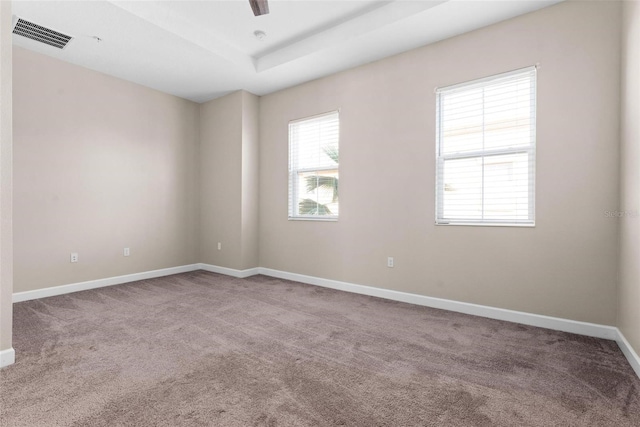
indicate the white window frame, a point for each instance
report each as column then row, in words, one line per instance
column 293, row 190
column 530, row 150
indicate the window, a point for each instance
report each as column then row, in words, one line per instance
column 485, row 150
column 313, row 167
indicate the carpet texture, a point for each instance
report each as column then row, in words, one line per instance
column 202, row 349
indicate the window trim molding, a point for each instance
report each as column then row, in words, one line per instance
column 473, row 83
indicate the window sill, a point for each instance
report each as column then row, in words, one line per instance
column 304, row 218
column 484, row 224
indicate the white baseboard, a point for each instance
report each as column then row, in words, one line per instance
column 229, row 271
column 100, row 283
column 565, row 325
column 118, row 280
column 629, row 352
column 7, row 357
column 555, row 323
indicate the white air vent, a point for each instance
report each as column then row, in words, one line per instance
column 41, row 34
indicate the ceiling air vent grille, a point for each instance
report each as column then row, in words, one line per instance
column 39, row 33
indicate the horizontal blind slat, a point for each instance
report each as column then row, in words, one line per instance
column 313, row 166
column 485, row 150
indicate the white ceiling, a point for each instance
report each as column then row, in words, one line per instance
column 200, row 50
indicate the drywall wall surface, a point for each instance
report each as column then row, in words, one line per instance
column 565, row 266
column 100, row 164
column 6, row 212
column 229, row 181
column 221, row 181
column 629, row 286
column 250, row 179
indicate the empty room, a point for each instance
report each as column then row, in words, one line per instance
column 320, row 213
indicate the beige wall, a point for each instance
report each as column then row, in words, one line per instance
column 100, row 164
column 228, row 180
column 250, row 182
column 629, row 287
column 220, row 180
column 566, row 266
column 6, row 238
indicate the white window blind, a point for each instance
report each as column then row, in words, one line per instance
column 485, row 150
column 313, row 167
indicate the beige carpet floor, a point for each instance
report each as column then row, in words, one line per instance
column 202, row 349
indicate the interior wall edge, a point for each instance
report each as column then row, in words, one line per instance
column 6, row 182
column 628, row 291
column 629, row 352
column 7, row 357
column 240, row 274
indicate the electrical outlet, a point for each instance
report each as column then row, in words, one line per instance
column 127, row 252
column 219, row 246
column 74, row 256
column 390, row 262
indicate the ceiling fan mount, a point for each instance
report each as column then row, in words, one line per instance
column 259, row 7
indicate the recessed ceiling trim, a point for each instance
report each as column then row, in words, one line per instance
column 379, row 17
column 41, row 34
column 169, row 47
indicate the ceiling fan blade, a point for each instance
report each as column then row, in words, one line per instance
column 259, row 7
